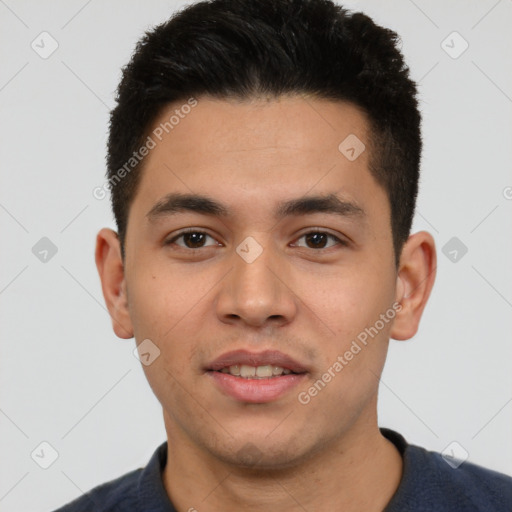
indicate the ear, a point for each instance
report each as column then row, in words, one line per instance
column 111, row 270
column 415, row 279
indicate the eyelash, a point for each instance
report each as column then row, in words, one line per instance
column 339, row 241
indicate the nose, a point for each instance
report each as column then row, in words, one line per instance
column 256, row 293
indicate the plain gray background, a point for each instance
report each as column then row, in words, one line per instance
column 65, row 378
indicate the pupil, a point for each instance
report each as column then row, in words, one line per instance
column 315, row 238
column 194, row 238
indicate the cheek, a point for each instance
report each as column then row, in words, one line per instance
column 354, row 347
column 168, row 307
column 165, row 312
column 347, row 304
column 159, row 298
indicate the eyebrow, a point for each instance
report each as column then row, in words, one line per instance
column 178, row 203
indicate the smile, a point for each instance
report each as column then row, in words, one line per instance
column 255, row 372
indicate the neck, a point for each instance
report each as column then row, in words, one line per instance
column 361, row 471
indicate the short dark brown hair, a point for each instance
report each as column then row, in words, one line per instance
column 249, row 48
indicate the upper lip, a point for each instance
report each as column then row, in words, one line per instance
column 267, row 357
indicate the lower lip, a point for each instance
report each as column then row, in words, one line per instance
column 256, row 391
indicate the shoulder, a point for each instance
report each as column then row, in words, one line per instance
column 139, row 490
column 113, row 496
column 432, row 482
column 469, row 483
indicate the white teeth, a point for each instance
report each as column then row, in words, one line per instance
column 255, row 372
column 264, row 371
column 247, row 371
column 277, row 370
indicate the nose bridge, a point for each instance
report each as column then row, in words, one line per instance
column 253, row 264
column 254, row 290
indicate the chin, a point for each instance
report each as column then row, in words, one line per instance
column 260, row 453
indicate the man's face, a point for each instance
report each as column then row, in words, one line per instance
column 302, row 283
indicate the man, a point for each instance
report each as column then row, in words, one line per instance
column 263, row 162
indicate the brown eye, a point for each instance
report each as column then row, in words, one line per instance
column 319, row 240
column 192, row 239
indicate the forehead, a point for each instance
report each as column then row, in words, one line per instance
column 243, row 151
column 297, row 123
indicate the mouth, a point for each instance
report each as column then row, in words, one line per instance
column 256, row 377
column 255, row 372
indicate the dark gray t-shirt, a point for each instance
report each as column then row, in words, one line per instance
column 428, row 484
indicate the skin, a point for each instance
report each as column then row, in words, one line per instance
column 299, row 296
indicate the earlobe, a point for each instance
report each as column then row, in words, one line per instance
column 111, row 271
column 415, row 279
